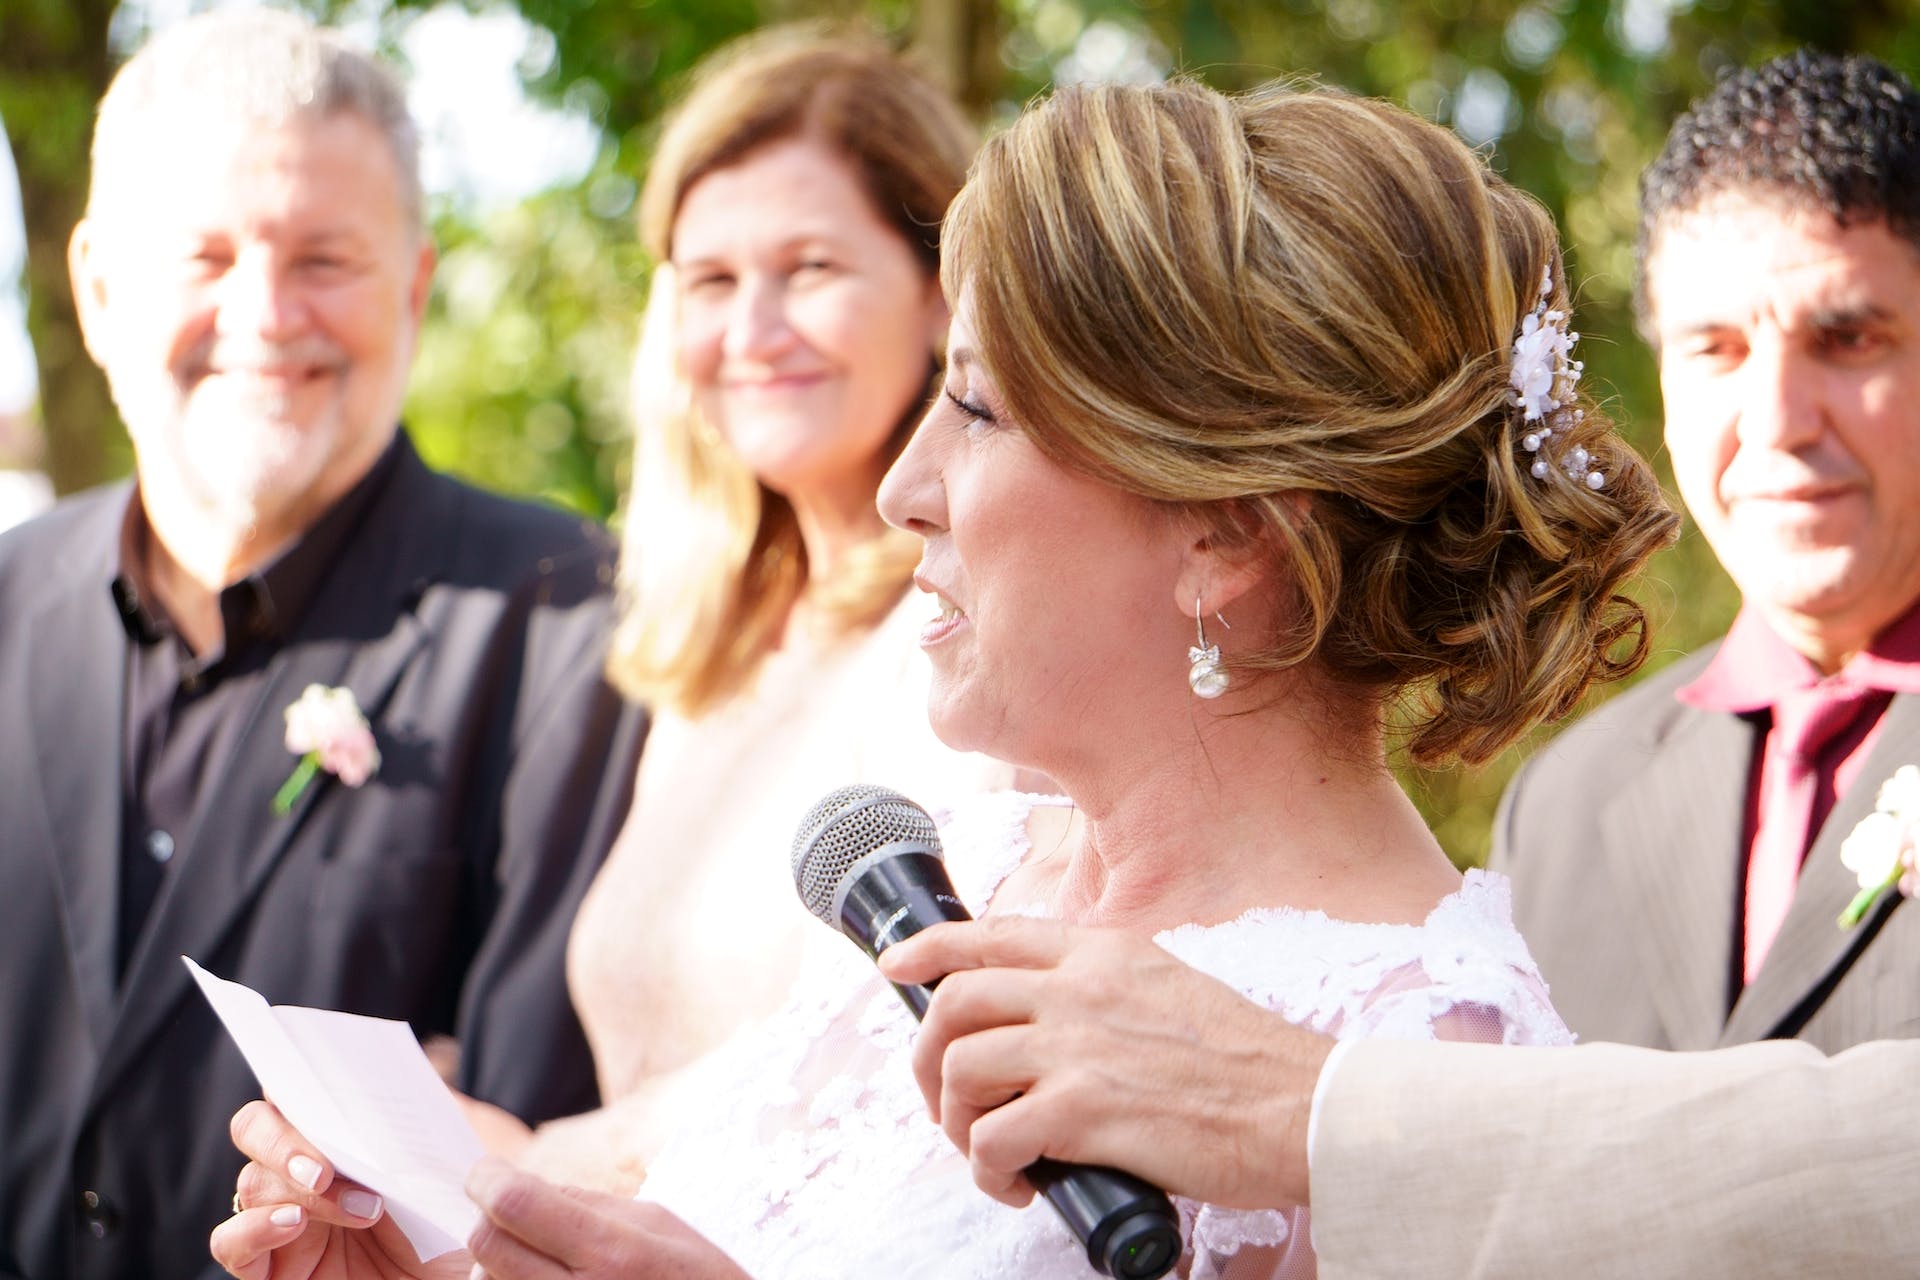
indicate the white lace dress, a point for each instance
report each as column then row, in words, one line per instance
column 811, row 1155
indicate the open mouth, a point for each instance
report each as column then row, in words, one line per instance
column 949, row 619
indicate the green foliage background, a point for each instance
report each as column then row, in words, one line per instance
column 520, row 378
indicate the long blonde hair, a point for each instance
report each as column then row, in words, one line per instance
column 712, row 561
column 1292, row 314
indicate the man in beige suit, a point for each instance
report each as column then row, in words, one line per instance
column 1676, row 856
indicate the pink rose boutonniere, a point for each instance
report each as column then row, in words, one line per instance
column 1880, row 850
column 326, row 730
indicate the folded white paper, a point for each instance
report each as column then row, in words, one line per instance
column 361, row 1091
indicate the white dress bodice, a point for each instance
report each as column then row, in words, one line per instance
column 810, row 1154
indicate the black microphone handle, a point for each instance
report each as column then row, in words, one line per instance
column 1128, row 1225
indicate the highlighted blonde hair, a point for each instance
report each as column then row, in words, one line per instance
column 712, row 562
column 1292, row 313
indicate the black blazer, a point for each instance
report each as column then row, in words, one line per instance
column 1623, row 838
column 471, row 630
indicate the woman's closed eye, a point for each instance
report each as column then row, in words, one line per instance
column 975, row 413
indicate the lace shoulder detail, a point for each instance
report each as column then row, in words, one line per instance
column 1462, row 974
column 985, row 839
column 1348, row 979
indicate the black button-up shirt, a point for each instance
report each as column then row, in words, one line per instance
column 184, row 711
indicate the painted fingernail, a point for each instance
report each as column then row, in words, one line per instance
column 287, row 1215
column 361, row 1204
column 305, row 1171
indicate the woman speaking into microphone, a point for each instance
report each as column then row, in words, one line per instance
column 1261, row 448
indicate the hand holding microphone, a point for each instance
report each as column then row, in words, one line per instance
column 868, row 862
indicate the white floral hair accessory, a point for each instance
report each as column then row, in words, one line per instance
column 1880, row 849
column 1543, row 378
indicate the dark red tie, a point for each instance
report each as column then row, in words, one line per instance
column 1804, row 722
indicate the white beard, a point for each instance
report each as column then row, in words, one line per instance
column 247, row 459
column 234, row 447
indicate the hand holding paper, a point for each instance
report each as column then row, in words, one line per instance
column 361, row 1091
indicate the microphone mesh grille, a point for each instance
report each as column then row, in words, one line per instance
column 844, row 827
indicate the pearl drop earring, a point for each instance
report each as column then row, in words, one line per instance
column 1205, row 676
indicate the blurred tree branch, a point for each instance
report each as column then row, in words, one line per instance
column 53, row 67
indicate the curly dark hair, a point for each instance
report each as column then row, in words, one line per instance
column 1838, row 134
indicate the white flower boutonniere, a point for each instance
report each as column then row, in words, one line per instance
column 326, row 730
column 1880, row 850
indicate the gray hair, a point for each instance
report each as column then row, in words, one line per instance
column 254, row 65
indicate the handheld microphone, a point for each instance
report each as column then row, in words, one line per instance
column 867, row 861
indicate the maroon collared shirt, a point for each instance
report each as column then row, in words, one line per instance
column 1754, row 668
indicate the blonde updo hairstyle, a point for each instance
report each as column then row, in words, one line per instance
column 712, row 562
column 1291, row 313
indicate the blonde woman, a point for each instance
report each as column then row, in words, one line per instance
column 794, row 203
column 1292, row 367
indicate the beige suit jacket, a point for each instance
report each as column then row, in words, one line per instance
column 1767, row 1160
column 1623, row 838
